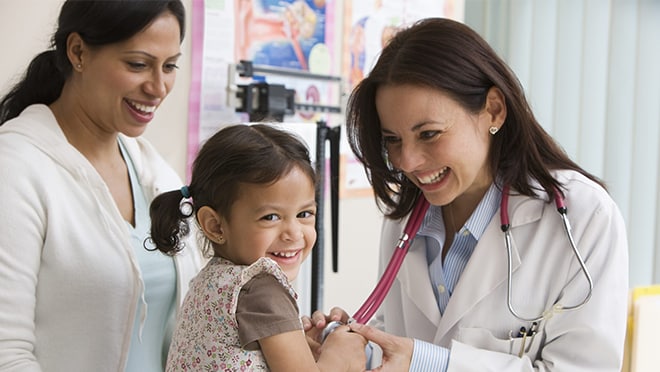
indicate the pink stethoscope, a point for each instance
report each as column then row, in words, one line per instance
column 377, row 296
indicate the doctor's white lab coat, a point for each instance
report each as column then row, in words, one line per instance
column 477, row 323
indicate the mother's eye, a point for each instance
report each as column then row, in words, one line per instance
column 170, row 67
column 136, row 65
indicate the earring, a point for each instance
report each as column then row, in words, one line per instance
column 219, row 239
column 493, row 130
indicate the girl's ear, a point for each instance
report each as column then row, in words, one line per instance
column 210, row 223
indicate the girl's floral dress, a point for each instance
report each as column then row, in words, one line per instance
column 206, row 335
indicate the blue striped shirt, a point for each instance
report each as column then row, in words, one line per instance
column 445, row 274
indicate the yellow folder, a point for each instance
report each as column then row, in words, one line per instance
column 642, row 349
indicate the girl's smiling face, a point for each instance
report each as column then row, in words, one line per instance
column 275, row 220
column 441, row 147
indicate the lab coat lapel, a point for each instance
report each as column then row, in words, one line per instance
column 487, row 267
column 414, row 277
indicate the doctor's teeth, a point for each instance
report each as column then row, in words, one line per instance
column 432, row 177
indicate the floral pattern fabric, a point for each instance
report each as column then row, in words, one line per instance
column 206, row 336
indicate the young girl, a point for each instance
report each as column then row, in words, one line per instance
column 252, row 193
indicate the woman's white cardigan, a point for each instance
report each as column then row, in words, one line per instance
column 69, row 280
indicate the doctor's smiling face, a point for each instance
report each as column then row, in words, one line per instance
column 437, row 144
column 120, row 85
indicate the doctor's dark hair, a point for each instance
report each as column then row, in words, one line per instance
column 99, row 23
column 234, row 156
column 452, row 58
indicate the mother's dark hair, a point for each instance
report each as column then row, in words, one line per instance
column 98, row 23
column 449, row 56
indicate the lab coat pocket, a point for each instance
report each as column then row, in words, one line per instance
column 483, row 338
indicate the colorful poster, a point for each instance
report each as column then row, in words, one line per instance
column 293, row 34
column 370, row 24
column 278, row 33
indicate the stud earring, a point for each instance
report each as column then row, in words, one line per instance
column 493, row 130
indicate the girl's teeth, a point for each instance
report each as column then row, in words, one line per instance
column 284, row 254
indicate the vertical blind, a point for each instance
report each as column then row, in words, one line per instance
column 591, row 71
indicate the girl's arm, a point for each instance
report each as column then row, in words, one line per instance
column 342, row 351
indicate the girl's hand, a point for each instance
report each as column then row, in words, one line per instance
column 314, row 325
column 318, row 320
column 343, row 350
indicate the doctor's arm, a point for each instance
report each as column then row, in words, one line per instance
column 402, row 353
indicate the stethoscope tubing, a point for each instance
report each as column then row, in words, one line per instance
column 375, row 299
column 505, row 226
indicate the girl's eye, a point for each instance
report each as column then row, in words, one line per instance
column 270, row 217
column 306, row 214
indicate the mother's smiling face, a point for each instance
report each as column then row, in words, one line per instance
column 120, row 85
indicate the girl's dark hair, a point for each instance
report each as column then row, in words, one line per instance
column 234, row 156
column 98, row 23
column 449, row 56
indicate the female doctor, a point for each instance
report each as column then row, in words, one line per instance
column 441, row 117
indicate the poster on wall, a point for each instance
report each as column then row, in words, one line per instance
column 368, row 26
column 211, row 38
column 283, row 34
column 280, row 33
column 290, row 35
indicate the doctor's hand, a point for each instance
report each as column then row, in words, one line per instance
column 397, row 351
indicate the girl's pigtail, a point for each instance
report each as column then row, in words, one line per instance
column 169, row 221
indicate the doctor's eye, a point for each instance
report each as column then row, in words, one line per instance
column 389, row 140
column 429, row 134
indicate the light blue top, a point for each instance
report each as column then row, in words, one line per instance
column 148, row 345
column 445, row 274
